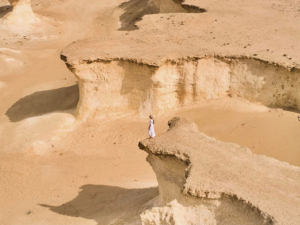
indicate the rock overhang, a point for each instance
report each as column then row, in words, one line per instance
column 218, row 170
column 199, row 54
column 228, row 32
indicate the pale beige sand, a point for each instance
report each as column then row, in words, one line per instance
column 106, row 153
column 54, row 170
column 273, row 133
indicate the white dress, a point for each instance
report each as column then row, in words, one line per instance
column 151, row 128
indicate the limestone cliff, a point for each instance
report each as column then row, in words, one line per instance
column 163, row 57
column 205, row 181
column 113, row 87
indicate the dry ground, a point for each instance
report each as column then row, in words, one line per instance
column 54, row 170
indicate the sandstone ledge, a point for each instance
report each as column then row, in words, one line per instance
column 173, row 58
column 224, row 29
column 123, row 86
column 215, row 170
column 95, row 50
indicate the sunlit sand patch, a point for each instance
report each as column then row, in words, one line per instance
column 11, row 50
column 39, row 148
column 7, row 58
column 45, row 132
column 2, row 85
column 8, row 64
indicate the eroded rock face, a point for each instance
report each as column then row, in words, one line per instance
column 121, row 87
column 22, row 13
column 205, row 181
column 170, row 58
column 175, row 213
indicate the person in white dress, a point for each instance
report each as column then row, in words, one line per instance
column 151, row 127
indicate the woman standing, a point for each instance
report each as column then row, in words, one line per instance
column 151, row 127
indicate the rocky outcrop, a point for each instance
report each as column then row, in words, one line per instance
column 22, row 13
column 205, row 181
column 117, row 86
column 169, row 58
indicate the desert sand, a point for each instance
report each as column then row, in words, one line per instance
column 79, row 78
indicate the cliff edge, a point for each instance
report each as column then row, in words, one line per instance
column 165, row 60
column 218, row 183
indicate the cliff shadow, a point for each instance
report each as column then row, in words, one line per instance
column 5, row 10
column 134, row 10
column 43, row 102
column 106, row 204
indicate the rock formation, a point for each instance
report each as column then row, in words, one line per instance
column 22, row 13
column 176, row 58
column 115, row 86
column 205, row 181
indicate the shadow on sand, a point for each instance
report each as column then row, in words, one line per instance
column 43, row 102
column 4, row 10
column 107, row 204
column 134, row 10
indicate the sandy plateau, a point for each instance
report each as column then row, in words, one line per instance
column 78, row 80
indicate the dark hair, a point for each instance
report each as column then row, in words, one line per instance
column 151, row 117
